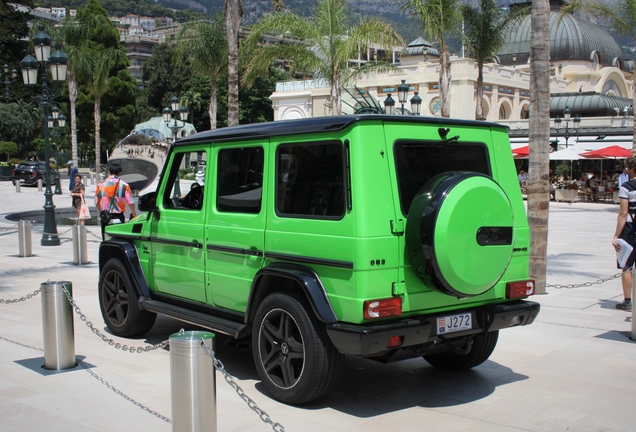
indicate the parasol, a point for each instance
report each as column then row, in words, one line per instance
column 611, row 152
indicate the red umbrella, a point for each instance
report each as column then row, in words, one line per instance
column 521, row 152
column 611, row 152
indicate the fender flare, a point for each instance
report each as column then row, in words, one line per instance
column 306, row 278
column 127, row 251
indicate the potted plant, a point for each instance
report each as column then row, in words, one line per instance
column 566, row 190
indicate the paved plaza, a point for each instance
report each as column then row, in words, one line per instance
column 574, row 369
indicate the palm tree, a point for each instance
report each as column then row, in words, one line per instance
column 327, row 47
column 233, row 15
column 204, row 45
column 539, row 136
column 623, row 17
column 437, row 18
column 102, row 63
column 485, row 31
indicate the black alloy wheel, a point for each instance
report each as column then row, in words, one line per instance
column 293, row 354
column 118, row 302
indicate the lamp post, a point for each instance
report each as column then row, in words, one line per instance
column 56, row 122
column 416, row 104
column 7, row 81
column 514, row 60
column 403, row 91
column 29, row 65
column 425, row 52
column 170, row 114
column 389, row 104
column 567, row 113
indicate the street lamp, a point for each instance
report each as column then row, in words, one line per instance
column 416, row 104
column 56, row 122
column 29, row 65
column 403, row 91
column 170, row 114
column 425, row 52
column 389, row 104
column 567, row 113
column 7, row 81
column 514, row 60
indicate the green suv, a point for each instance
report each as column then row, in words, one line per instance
column 386, row 237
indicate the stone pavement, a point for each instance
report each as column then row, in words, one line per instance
column 573, row 369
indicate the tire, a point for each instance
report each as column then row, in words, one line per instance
column 293, row 355
column 118, row 301
column 482, row 347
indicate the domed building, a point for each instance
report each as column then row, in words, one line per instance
column 589, row 79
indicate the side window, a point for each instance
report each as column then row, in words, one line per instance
column 309, row 180
column 181, row 194
column 240, row 180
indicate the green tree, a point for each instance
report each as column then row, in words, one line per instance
column 204, row 45
column 485, row 30
column 9, row 148
column 329, row 45
column 622, row 15
column 539, row 135
column 164, row 77
column 20, row 122
column 436, row 19
column 13, row 32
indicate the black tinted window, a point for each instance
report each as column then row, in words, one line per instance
column 240, row 180
column 419, row 161
column 309, row 180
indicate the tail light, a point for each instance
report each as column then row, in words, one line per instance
column 519, row 289
column 13, row 172
column 34, row 174
column 382, row 308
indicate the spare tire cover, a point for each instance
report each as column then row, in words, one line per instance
column 459, row 233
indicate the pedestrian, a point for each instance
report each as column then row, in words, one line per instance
column 111, row 196
column 72, row 172
column 624, row 177
column 625, row 230
column 78, row 196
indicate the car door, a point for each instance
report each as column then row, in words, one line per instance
column 177, row 256
column 235, row 226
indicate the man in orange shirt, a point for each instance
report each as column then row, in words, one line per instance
column 111, row 197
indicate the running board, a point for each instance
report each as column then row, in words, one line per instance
column 216, row 324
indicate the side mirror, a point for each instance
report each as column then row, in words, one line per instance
column 147, row 202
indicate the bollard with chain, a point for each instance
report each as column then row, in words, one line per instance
column 80, row 248
column 24, row 239
column 57, row 326
column 17, row 185
column 192, row 383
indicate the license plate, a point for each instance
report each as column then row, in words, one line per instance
column 454, row 323
column 21, row 180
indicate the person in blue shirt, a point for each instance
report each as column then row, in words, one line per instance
column 72, row 172
column 624, row 177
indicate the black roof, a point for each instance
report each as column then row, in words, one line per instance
column 316, row 125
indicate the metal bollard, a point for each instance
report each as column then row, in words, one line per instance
column 92, row 179
column 17, row 186
column 192, row 383
column 57, row 324
column 24, row 239
column 40, row 185
column 80, row 249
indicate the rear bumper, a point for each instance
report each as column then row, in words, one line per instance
column 372, row 339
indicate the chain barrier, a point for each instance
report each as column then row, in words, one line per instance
column 218, row 365
column 125, row 396
column 98, row 237
column 102, row 381
column 21, row 299
column 105, row 338
column 11, row 228
column 34, row 227
column 587, row 284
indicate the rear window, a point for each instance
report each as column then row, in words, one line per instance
column 419, row 161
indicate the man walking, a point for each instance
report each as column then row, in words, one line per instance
column 111, row 197
column 625, row 230
column 623, row 178
column 72, row 172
